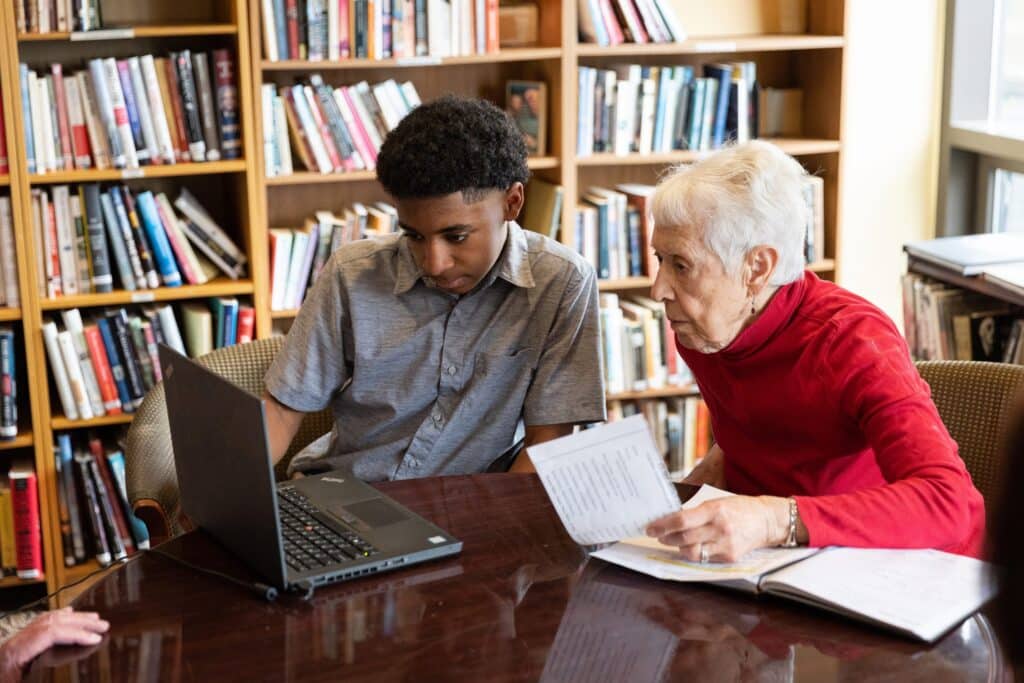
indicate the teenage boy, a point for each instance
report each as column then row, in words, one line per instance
column 436, row 347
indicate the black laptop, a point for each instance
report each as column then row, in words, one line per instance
column 296, row 534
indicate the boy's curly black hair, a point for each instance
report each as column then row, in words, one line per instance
column 449, row 145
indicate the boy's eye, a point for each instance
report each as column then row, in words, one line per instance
column 415, row 237
column 457, row 238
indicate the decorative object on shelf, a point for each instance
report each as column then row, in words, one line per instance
column 527, row 104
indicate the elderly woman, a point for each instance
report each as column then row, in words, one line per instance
column 821, row 422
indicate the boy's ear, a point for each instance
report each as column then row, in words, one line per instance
column 514, row 198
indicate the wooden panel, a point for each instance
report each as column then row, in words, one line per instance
column 821, row 80
column 826, row 17
column 717, row 45
column 519, row 54
column 218, row 287
column 136, row 12
column 155, row 31
column 74, row 55
column 161, row 171
column 742, row 17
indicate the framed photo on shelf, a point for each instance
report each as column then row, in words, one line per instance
column 527, row 104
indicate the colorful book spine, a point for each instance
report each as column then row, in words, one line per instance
column 227, row 105
column 94, row 515
column 8, row 385
column 26, row 117
column 28, row 537
column 162, row 253
column 131, row 107
column 102, row 278
column 102, row 369
column 116, row 366
column 140, row 533
column 66, row 470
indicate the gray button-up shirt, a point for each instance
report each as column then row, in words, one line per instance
column 423, row 382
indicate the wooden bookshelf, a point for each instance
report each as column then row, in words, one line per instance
column 711, row 45
column 528, row 54
column 794, row 147
column 133, row 32
column 662, row 392
column 162, row 171
column 23, row 440
column 219, row 287
column 224, row 187
column 10, row 581
column 5, row 180
column 313, row 178
column 284, row 313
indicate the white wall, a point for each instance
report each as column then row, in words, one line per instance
column 889, row 165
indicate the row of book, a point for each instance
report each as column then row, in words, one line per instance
column 612, row 227
column 298, row 255
column 317, row 30
column 681, row 427
column 331, row 129
column 944, row 322
column 127, row 113
column 105, row 365
column 9, row 294
column 96, row 518
column 47, row 16
column 21, row 541
column 91, row 239
column 639, row 346
column 635, row 109
column 613, row 22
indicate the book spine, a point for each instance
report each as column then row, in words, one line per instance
column 115, row 460
column 67, row 485
column 76, row 120
column 246, row 323
column 73, row 324
column 8, row 385
column 126, row 139
column 169, row 327
column 188, row 264
column 138, row 339
column 119, row 328
column 113, row 229
column 8, row 548
column 131, row 108
column 141, row 95
column 74, row 372
column 156, row 107
column 68, row 263
column 60, row 373
column 227, row 105
column 92, row 505
column 26, row 117
column 12, row 297
column 117, row 369
column 101, row 368
column 210, row 249
column 63, row 509
column 28, row 538
column 61, row 110
column 108, row 498
column 102, row 279
column 208, row 116
column 195, row 212
column 54, row 157
column 81, row 246
column 149, row 338
column 107, row 116
column 93, row 124
column 158, row 239
column 190, row 105
column 173, row 95
column 336, row 123
column 134, row 240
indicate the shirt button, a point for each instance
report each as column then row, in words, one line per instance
column 452, row 370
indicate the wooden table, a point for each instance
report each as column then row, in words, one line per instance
column 521, row 603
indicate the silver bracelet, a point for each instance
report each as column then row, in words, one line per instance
column 791, row 537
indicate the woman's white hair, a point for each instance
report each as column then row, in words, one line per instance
column 742, row 196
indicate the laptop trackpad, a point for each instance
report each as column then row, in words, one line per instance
column 374, row 513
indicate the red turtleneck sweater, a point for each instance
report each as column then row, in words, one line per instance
column 818, row 399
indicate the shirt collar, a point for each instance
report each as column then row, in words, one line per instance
column 776, row 314
column 513, row 264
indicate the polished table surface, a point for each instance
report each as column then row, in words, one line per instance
column 521, row 603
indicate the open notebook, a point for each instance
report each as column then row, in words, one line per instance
column 608, row 483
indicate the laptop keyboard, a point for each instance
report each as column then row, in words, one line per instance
column 309, row 543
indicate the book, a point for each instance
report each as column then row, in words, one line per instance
column 8, row 385
column 918, row 593
column 28, row 538
column 65, row 469
column 8, row 550
column 969, row 254
column 91, row 502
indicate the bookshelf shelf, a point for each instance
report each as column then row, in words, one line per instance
column 527, row 54
column 624, row 284
column 664, row 392
column 823, row 266
column 131, row 32
column 312, row 178
column 58, row 422
column 5, row 180
column 218, row 287
column 80, row 571
column 8, row 581
column 284, row 314
column 713, row 45
column 161, row 171
column 794, row 147
column 8, row 314
column 24, row 439
column 974, row 283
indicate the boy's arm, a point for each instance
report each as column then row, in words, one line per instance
column 534, row 435
column 282, row 424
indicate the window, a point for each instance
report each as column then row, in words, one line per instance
column 1008, row 74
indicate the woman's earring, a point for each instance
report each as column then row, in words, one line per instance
column 753, row 311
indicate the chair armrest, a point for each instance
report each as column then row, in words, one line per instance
column 155, row 518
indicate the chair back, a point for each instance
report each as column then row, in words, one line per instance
column 149, row 457
column 975, row 400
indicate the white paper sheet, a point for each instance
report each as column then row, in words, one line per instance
column 606, row 483
column 644, row 554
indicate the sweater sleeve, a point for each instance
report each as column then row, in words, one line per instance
column 929, row 500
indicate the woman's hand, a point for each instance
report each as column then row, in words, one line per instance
column 710, row 470
column 725, row 528
column 60, row 627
